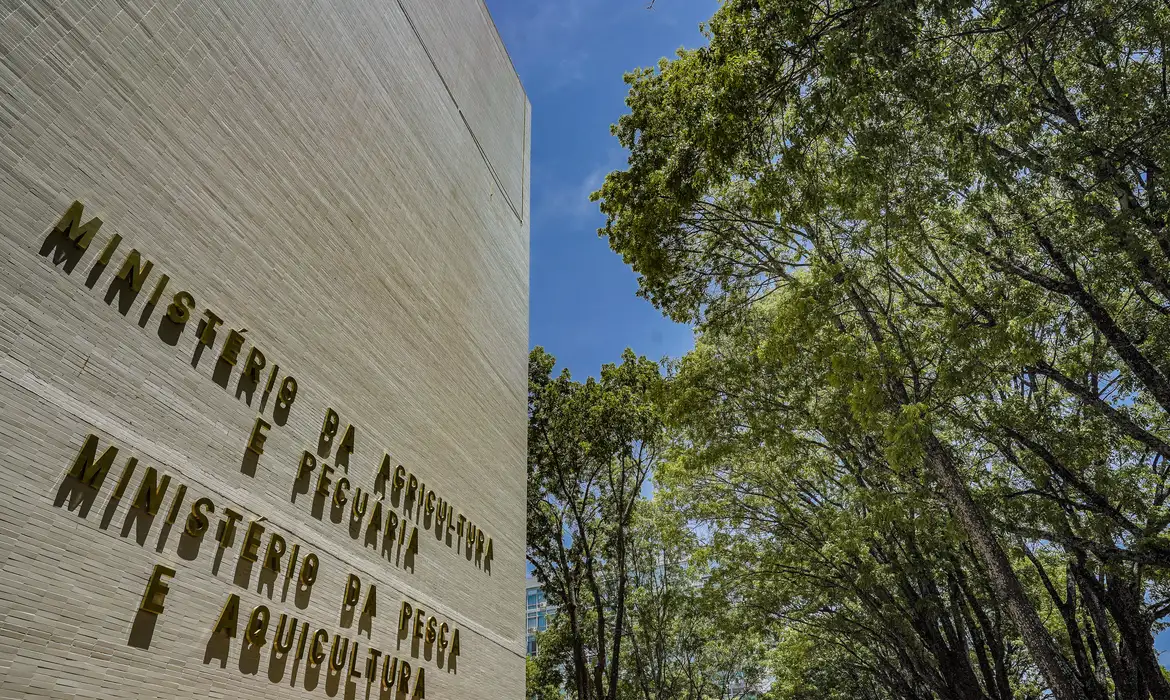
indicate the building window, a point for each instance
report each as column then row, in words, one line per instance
column 532, row 645
column 533, row 597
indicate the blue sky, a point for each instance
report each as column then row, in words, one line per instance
column 571, row 55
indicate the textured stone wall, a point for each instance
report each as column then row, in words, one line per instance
column 343, row 183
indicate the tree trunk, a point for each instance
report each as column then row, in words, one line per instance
column 1123, row 599
column 1053, row 666
column 1121, row 670
column 580, row 664
column 619, row 613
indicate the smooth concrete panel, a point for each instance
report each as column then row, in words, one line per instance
column 467, row 51
column 303, row 170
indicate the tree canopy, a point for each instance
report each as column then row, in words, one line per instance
column 925, row 248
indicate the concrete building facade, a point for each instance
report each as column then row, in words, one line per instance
column 263, row 342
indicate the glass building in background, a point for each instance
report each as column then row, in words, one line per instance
column 537, row 611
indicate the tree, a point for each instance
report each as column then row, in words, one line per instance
column 591, row 447
column 541, row 679
column 823, row 537
column 686, row 641
column 958, row 211
column 633, row 618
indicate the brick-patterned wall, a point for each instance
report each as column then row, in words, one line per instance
column 348, row 181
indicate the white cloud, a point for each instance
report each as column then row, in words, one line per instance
column 549, row 21
column 568, row 203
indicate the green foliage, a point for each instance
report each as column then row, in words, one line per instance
column 591, row 447
column 633, row 618
column 686, row 641
column 925, row 245
column 542, row 680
